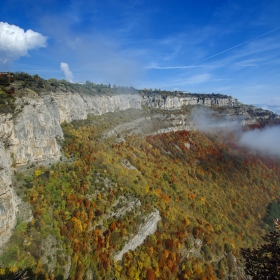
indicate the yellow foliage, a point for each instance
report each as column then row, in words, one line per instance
column 38, row 172
column 165, row 254
column 75, row 258
column 157, row 192
column 147, row 261
column 13, row 269
column 138, row 272
column 232, row 243
column 131, row 272
column 151, row 251
column 117, row 270
column 157, row 271
column 218, row 227
column 77, row 224
column 187, row 222
column 203, row 199
column 146, row 188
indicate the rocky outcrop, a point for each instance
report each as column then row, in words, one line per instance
column 31, row 133
column 157, row 123
column 69, row 106
column 148, row 228
column 35, row 132
column 176, row 102
column 37, row 124
column 8, row 199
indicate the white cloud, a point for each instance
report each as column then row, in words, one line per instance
column 155, row 66
column 265, row 140
column 209, row 121
column 199, row 78
column 68, row 74
column 15, row 42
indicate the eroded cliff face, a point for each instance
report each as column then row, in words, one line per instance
column 35, row 131
column 176, row 102
column 152, row 125
column 67, row 106
column 8, row 199
column 31, row 135
column 37, row 127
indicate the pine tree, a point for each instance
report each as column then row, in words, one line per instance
column 264, row 262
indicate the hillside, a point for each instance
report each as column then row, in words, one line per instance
column 121, row 184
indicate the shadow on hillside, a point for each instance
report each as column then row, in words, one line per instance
column 26, row 274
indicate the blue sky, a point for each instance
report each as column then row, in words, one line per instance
column 228, row 47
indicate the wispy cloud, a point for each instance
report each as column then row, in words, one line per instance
column 198, row 79
column 248, row 62
column 228, row 46
column 155, row 66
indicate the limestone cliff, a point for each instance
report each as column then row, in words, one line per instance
column 8, row 200
column 176, row 102
column 67, row 106
column 37, row 123
column 30, row 134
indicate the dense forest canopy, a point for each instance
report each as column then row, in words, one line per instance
column 213, row 197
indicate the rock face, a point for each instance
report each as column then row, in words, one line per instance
column 157, row 123
column 74, row 106
column 30, row 135
column 37, row 124
column 175, row 102
column 35, row 132
column 8, row 200
column 148, row 228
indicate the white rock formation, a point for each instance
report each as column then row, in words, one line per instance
column 149, row 227
column 8, row 199
column 74, row 106
column 175, row 102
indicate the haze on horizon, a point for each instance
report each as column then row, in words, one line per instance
column 227, row 47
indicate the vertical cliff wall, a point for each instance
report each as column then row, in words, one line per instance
column 36, row 125
column 74, row 106
column 8, row 200
column 31, row 133
column 176, row 102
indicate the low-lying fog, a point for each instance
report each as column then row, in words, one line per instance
column 264, row 140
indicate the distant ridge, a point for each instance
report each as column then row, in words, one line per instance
column 273, row 108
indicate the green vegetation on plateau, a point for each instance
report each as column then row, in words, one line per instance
column 205, row 187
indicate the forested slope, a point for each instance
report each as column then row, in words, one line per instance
column 211, row 196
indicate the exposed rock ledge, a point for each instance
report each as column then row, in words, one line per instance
column 175, row 102
column 147, row 229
